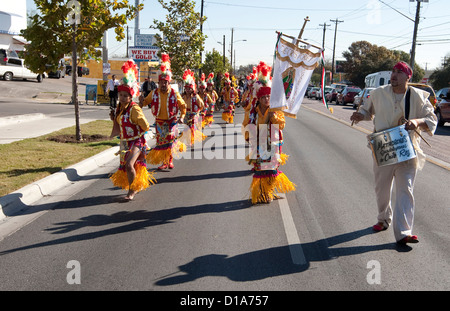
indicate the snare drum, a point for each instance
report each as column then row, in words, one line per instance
column 391, row 146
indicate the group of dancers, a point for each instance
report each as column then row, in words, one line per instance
column 262, row 128
column 195, row 108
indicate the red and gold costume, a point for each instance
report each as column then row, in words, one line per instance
column 248, row 102
column 266, row 140
column 214, row 97
column 132, row 125
column 194, row 105
column 230, row 96
column 205, row 114
column 165, row 106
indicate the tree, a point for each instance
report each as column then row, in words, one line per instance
column 363, row 58
column 214, row 63
column 181, row 37
column 52, row 35
column 440, row 78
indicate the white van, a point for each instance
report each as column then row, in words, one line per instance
column 378, row 79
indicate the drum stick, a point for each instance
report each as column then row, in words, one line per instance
column 417, row 132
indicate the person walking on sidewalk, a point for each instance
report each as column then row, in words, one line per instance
column 111, row 88
column 387, row 106
column 130, row 123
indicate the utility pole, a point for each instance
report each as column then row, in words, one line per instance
column 231, row 62
column 416, row 25
column 336, row 21
column 223, row 52
column 128, row 40
column 136, row 21
column 323, row 39
column 201, row 32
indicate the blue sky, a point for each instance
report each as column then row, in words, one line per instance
column 386, row 23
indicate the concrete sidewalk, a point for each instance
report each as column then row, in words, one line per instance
column 21, row 199
column 14, row 128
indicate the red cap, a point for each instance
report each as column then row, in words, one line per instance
column 125, row 88
column 402, row 66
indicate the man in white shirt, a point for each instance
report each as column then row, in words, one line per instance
column 111, row 88
column 386, row 106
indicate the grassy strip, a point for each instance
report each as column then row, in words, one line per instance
column 26, row 161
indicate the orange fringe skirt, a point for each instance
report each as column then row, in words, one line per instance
column 142, row 181
column 266, row 184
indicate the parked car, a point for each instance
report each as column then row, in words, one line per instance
column 331, row 96
column 357, row 99
column 442, row 93
column 60, row 72
column 82, row 71
column 362, row 97
column 326, row 92
column 12, row 71
column 347, row 95
column 308, row 89
column 313, row 92
column 427, row 88
column 443, row 109
column 6, row 54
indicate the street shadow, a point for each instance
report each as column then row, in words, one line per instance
column 136, row 220
column 271, row 262
column 442, row 131
column 188, row 178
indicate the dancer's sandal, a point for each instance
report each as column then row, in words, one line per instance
column 409, row 239
column 379, row 227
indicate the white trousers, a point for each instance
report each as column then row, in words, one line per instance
column 401, row 216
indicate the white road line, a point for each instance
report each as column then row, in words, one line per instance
column 297, row 255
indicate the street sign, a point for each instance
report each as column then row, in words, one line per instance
column 144, row 40
column 144, row 53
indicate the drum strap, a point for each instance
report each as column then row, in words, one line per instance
column 407, row 104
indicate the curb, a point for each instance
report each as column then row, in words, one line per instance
column 21, row 118
column 18, row 200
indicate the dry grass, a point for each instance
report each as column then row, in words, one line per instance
column 26, row 161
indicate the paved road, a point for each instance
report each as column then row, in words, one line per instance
column 195, row 229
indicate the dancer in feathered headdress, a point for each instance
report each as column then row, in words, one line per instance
column 165, row 104
column 205, row 114
column 130, row 123
column 247, row 100
column 194, row 105
column 230, row 96
column 267, row 178
column 213, row 95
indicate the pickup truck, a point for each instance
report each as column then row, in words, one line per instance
column 15, row 69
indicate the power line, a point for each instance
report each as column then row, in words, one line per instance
column 397, row 11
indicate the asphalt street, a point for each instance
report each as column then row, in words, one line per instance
column 196, row 230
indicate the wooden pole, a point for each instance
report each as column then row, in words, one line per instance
column 303, row 28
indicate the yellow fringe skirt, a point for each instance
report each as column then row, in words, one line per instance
column 227, row 117
column 163, row 154
column 142, row 181
column 266, row 184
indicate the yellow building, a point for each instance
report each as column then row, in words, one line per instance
column 146, row 69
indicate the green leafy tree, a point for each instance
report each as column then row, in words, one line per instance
column 53, row 34
column 214, row 63
column 440, row 78
column 50, row 34
column 181, row 37
column 363, row 58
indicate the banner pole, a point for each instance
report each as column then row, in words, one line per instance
column 303, row 28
